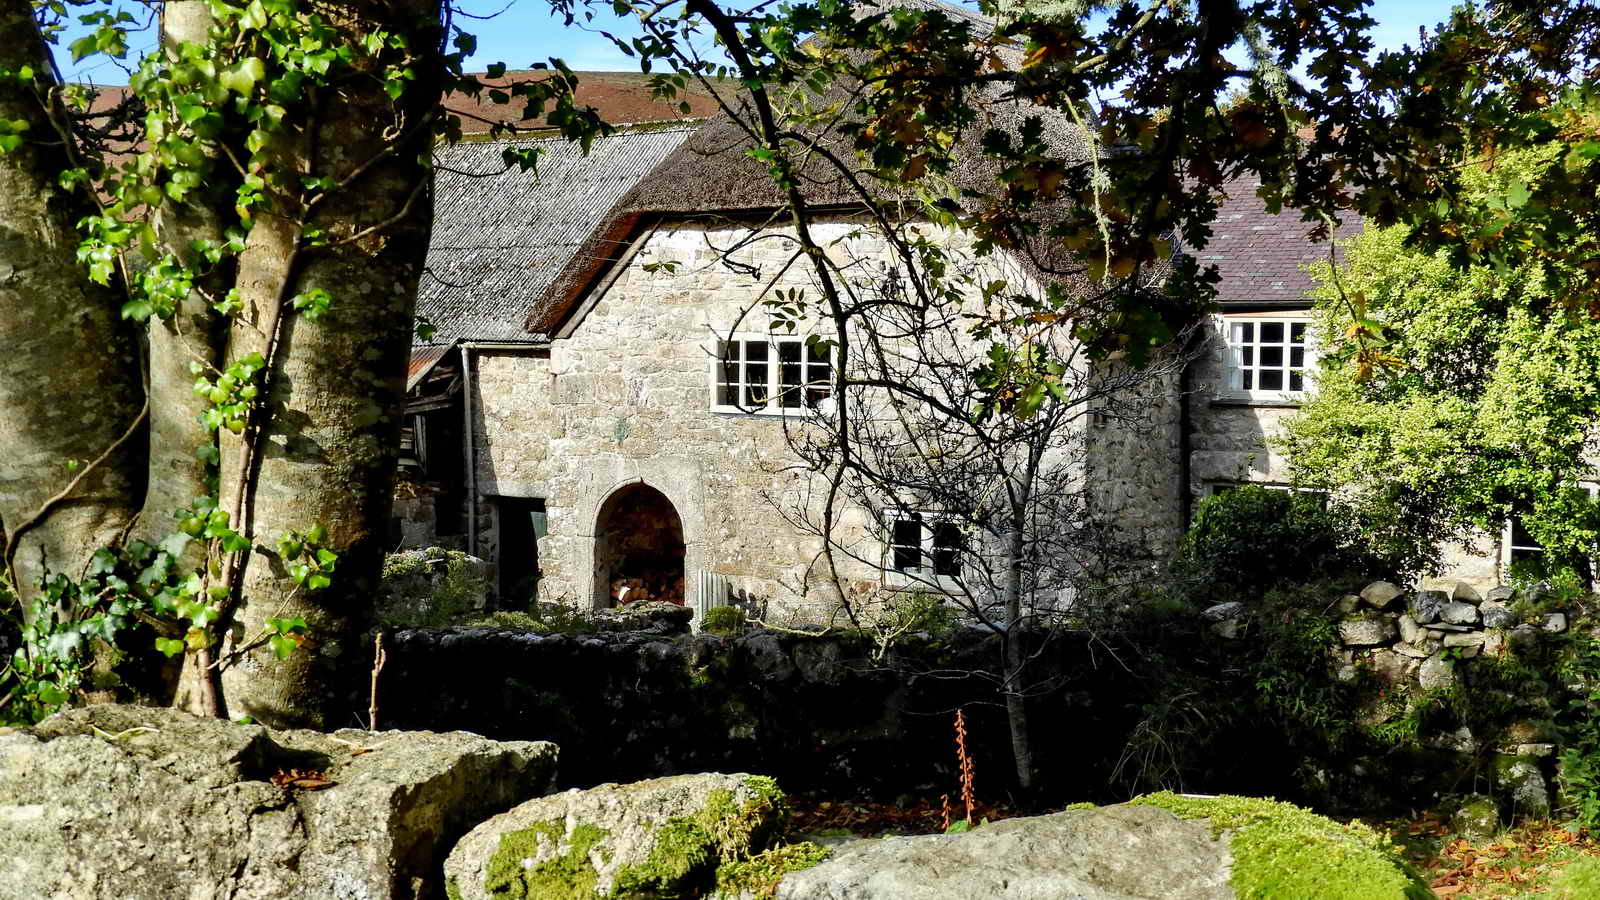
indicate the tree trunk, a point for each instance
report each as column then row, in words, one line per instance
column 1016, row 699
column 177, row 475
column 329, row 439
column 70, row 386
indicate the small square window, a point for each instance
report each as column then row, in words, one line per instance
column 1518, row 544
column 1269, row 358
column 924, row 550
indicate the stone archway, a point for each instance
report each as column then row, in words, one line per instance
column 638, row 548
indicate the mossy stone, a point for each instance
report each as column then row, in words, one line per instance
column 1281, row 851
column 568, row 876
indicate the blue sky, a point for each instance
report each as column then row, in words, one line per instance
column 526, row 32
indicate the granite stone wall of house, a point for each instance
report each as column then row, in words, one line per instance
column 626, row 400
column 1135, row 484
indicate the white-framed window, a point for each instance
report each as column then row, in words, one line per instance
column 1517, row 545
column 1268, row 357
column 771, row 375
column 922, row 550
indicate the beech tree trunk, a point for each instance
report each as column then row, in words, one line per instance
column 331, row 437
column 177, row 475
column 70, row 384
column 325, row 443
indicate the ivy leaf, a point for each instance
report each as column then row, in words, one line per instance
column 170, row 646
column 103, row 562
column 282, row 646
column 313, row 303
column 173, row 544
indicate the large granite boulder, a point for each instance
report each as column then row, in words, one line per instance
column 661, row 838
column 1159, row 846
column 136, row 803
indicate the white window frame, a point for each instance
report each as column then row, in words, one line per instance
column 1245, row 353
column 1508, row 548
column 765, row 398
column 926, row 575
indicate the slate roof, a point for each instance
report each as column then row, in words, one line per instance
column 500, row 237
column 1261, row 256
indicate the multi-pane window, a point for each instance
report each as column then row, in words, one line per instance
column 1520, row 545
column 771, row 375
column 1269, row 356
column 924, row 548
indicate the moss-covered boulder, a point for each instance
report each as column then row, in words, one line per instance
column 1281, row 850
column 1159, row 846
column 661, row 838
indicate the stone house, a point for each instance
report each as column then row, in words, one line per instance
column 604, row 410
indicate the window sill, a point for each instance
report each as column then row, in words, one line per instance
column 1280, row 402
column 782, row 412
column 899, row 581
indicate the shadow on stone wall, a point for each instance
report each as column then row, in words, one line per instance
column 815, row 713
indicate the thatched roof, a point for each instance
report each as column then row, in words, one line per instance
column 1260, row 256
column 619, row 97
column 501, row 236
column 711, row 176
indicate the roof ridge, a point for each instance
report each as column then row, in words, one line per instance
column 623, row 129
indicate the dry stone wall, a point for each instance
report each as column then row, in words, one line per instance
column 1422, row 644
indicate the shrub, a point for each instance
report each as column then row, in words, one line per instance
column 1250, row 539
column 724, row 620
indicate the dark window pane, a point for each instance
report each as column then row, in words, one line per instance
column 1271, row 356
column 947, row 546
column 1296, row 382
column 817, row 353
column 906, row 542
column 790, row 375
column 1297, row 332
column 1243, row 332
column 1297, row 357
column 1520, row 536
column 755, row 350
column 1271, row 379
column 1271, row 332
column 1248, row 380
column 1247, row 355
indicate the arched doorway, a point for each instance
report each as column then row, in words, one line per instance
column 638, row 548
